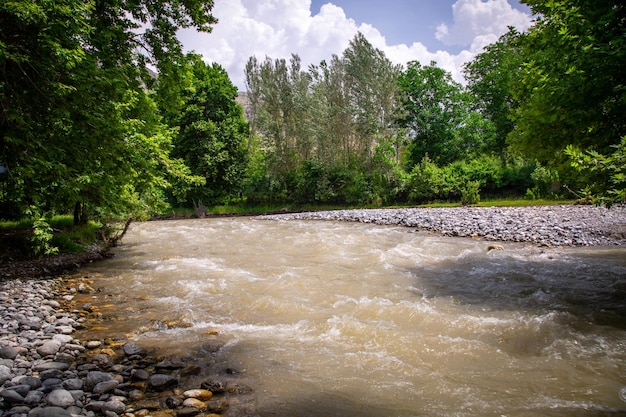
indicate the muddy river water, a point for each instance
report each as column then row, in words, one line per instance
column 344, row 319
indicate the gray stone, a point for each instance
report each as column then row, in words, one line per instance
column 49, row 412
column 63, row 339
column 5, row 374
column 105, row 386
column 8, row 352
column 162, row 382
column 21, row 389
column 131, row 349
column 60, row 398
column 34, row 397
column 31, row 381
column 95, row 377
column 45, row 366
column 73, row 384
column 51, row 374
column 139, row 375
column 11, row 396
column 116, row 407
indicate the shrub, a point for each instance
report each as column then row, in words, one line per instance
column 470, row 193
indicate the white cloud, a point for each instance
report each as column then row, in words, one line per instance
column 478, row 23
column 278, row 28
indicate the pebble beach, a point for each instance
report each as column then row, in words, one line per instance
column 561, row 225
column 45, row 371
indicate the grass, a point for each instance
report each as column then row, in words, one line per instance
column 15, row 236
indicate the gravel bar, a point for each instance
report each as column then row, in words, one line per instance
column 559, row 225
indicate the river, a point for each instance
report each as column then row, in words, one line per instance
column 346, row 319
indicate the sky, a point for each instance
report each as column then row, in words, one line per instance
column 449, row 32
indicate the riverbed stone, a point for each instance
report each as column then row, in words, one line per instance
column 45, row 366
column 95, row 377
column 162, row 382
column 188, row 412
column 116, row 407
column 562, row 225
column 60, row 398
column 8, row 352
column 200, row 394
column 195, row 403
column 34, row 397
column 11, row 397
column 131, row 349
column 105, row 386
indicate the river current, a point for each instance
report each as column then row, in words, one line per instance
column 327, row 318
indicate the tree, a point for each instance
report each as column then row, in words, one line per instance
column 213, row 134
column 436, row 111
column 490, row 78
column 572, row 84
column 77, row 130
column 371, row 85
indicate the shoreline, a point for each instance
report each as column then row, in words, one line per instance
column 46, row 371
column 562, row 225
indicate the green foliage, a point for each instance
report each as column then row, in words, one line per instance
column 428, row 182
column 41, row 239
column 212, row 136
column 546, row 183
column 437, row 113
column 571, row 86
column 490, row 77
column 470, row 193
column 324, row 133
column 606, row 174
column 78, row 132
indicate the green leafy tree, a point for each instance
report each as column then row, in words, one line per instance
column 437, row 113
column 213, row 134
column 490, row 78
column 77, row 130
column 571, row 87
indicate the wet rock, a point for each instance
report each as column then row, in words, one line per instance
column 219, row 406
column 131, row 349
column 172, row 363
column 239, row 389
column 188, row 412
column 214, row 385
column 151, row 404
column 195, row 403
column 162, row 382
column 200, row 394
column 139, row 375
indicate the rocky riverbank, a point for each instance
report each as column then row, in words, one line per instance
column 564, row 225
column 46, row 372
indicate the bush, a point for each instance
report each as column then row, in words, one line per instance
column 428, row 182
column 470, row 193
column 545, row 183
